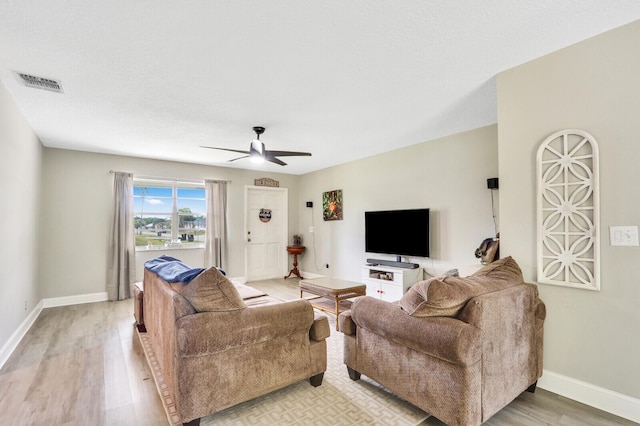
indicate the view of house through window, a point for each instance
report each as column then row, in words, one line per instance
column 169, row 214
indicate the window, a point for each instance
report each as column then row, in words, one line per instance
column 169, row 214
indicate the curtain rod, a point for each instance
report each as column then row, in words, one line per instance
column 167, row 178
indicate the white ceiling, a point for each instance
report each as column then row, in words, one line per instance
column 341, row 79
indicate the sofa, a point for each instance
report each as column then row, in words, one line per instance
column 221, row 343
column 460, row 349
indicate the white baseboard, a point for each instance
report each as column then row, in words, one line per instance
column 310, row 275
column 74, row 300
column 603, row 399
column 11, row 345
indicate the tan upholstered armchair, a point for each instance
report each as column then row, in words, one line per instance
column 220, row 344
column 459, row 348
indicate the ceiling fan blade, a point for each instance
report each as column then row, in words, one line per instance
column 226, row 149
column 273, row 159
column 288, row 153
column 258, row 152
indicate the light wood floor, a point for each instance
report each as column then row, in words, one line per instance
column 83, row 365
column 80, row 365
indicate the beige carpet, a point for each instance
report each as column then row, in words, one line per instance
column 338, row 401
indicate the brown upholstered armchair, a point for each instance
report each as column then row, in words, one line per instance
column 459, row 348
column 219, row 344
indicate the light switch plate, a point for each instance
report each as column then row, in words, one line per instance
column 623, row 235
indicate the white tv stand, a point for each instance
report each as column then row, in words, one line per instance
column 389, row 283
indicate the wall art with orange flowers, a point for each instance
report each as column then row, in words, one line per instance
column 332, row 205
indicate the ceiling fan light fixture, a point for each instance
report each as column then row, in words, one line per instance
column 257, row 146
column 255, row 159
column 258, row 153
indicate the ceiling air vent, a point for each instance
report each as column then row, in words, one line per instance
column 39, row 82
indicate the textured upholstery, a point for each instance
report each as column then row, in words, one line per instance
column 447, row 295
column 320, row 328
column 230, row 352
column 138, row 308
column 464, row 368
column 210, row 291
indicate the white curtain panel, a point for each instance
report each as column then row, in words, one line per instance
column 121, row 268
column 215, row 246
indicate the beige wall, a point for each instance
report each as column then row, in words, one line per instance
column 76, row 209
column 20, row 157
column 447, row 175
column 595, row 86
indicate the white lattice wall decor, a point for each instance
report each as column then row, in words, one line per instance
column 568, row 210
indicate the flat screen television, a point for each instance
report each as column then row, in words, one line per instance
column 397, row 232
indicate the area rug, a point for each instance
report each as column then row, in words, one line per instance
column 338, row 401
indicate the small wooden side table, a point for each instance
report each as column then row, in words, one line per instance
column 295, row 251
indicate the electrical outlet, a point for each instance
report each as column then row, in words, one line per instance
column 311, row 229
column 25, row 305
column 326, row 265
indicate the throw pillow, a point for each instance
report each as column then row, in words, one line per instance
column 447, row 295
column 211, row 292
column 505, row 269
column 452, row 273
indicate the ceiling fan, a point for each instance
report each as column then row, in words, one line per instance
column 257, row 153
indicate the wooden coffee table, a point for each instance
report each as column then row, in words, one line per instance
column 332, row 293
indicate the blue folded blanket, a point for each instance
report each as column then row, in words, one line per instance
column 172, row 270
